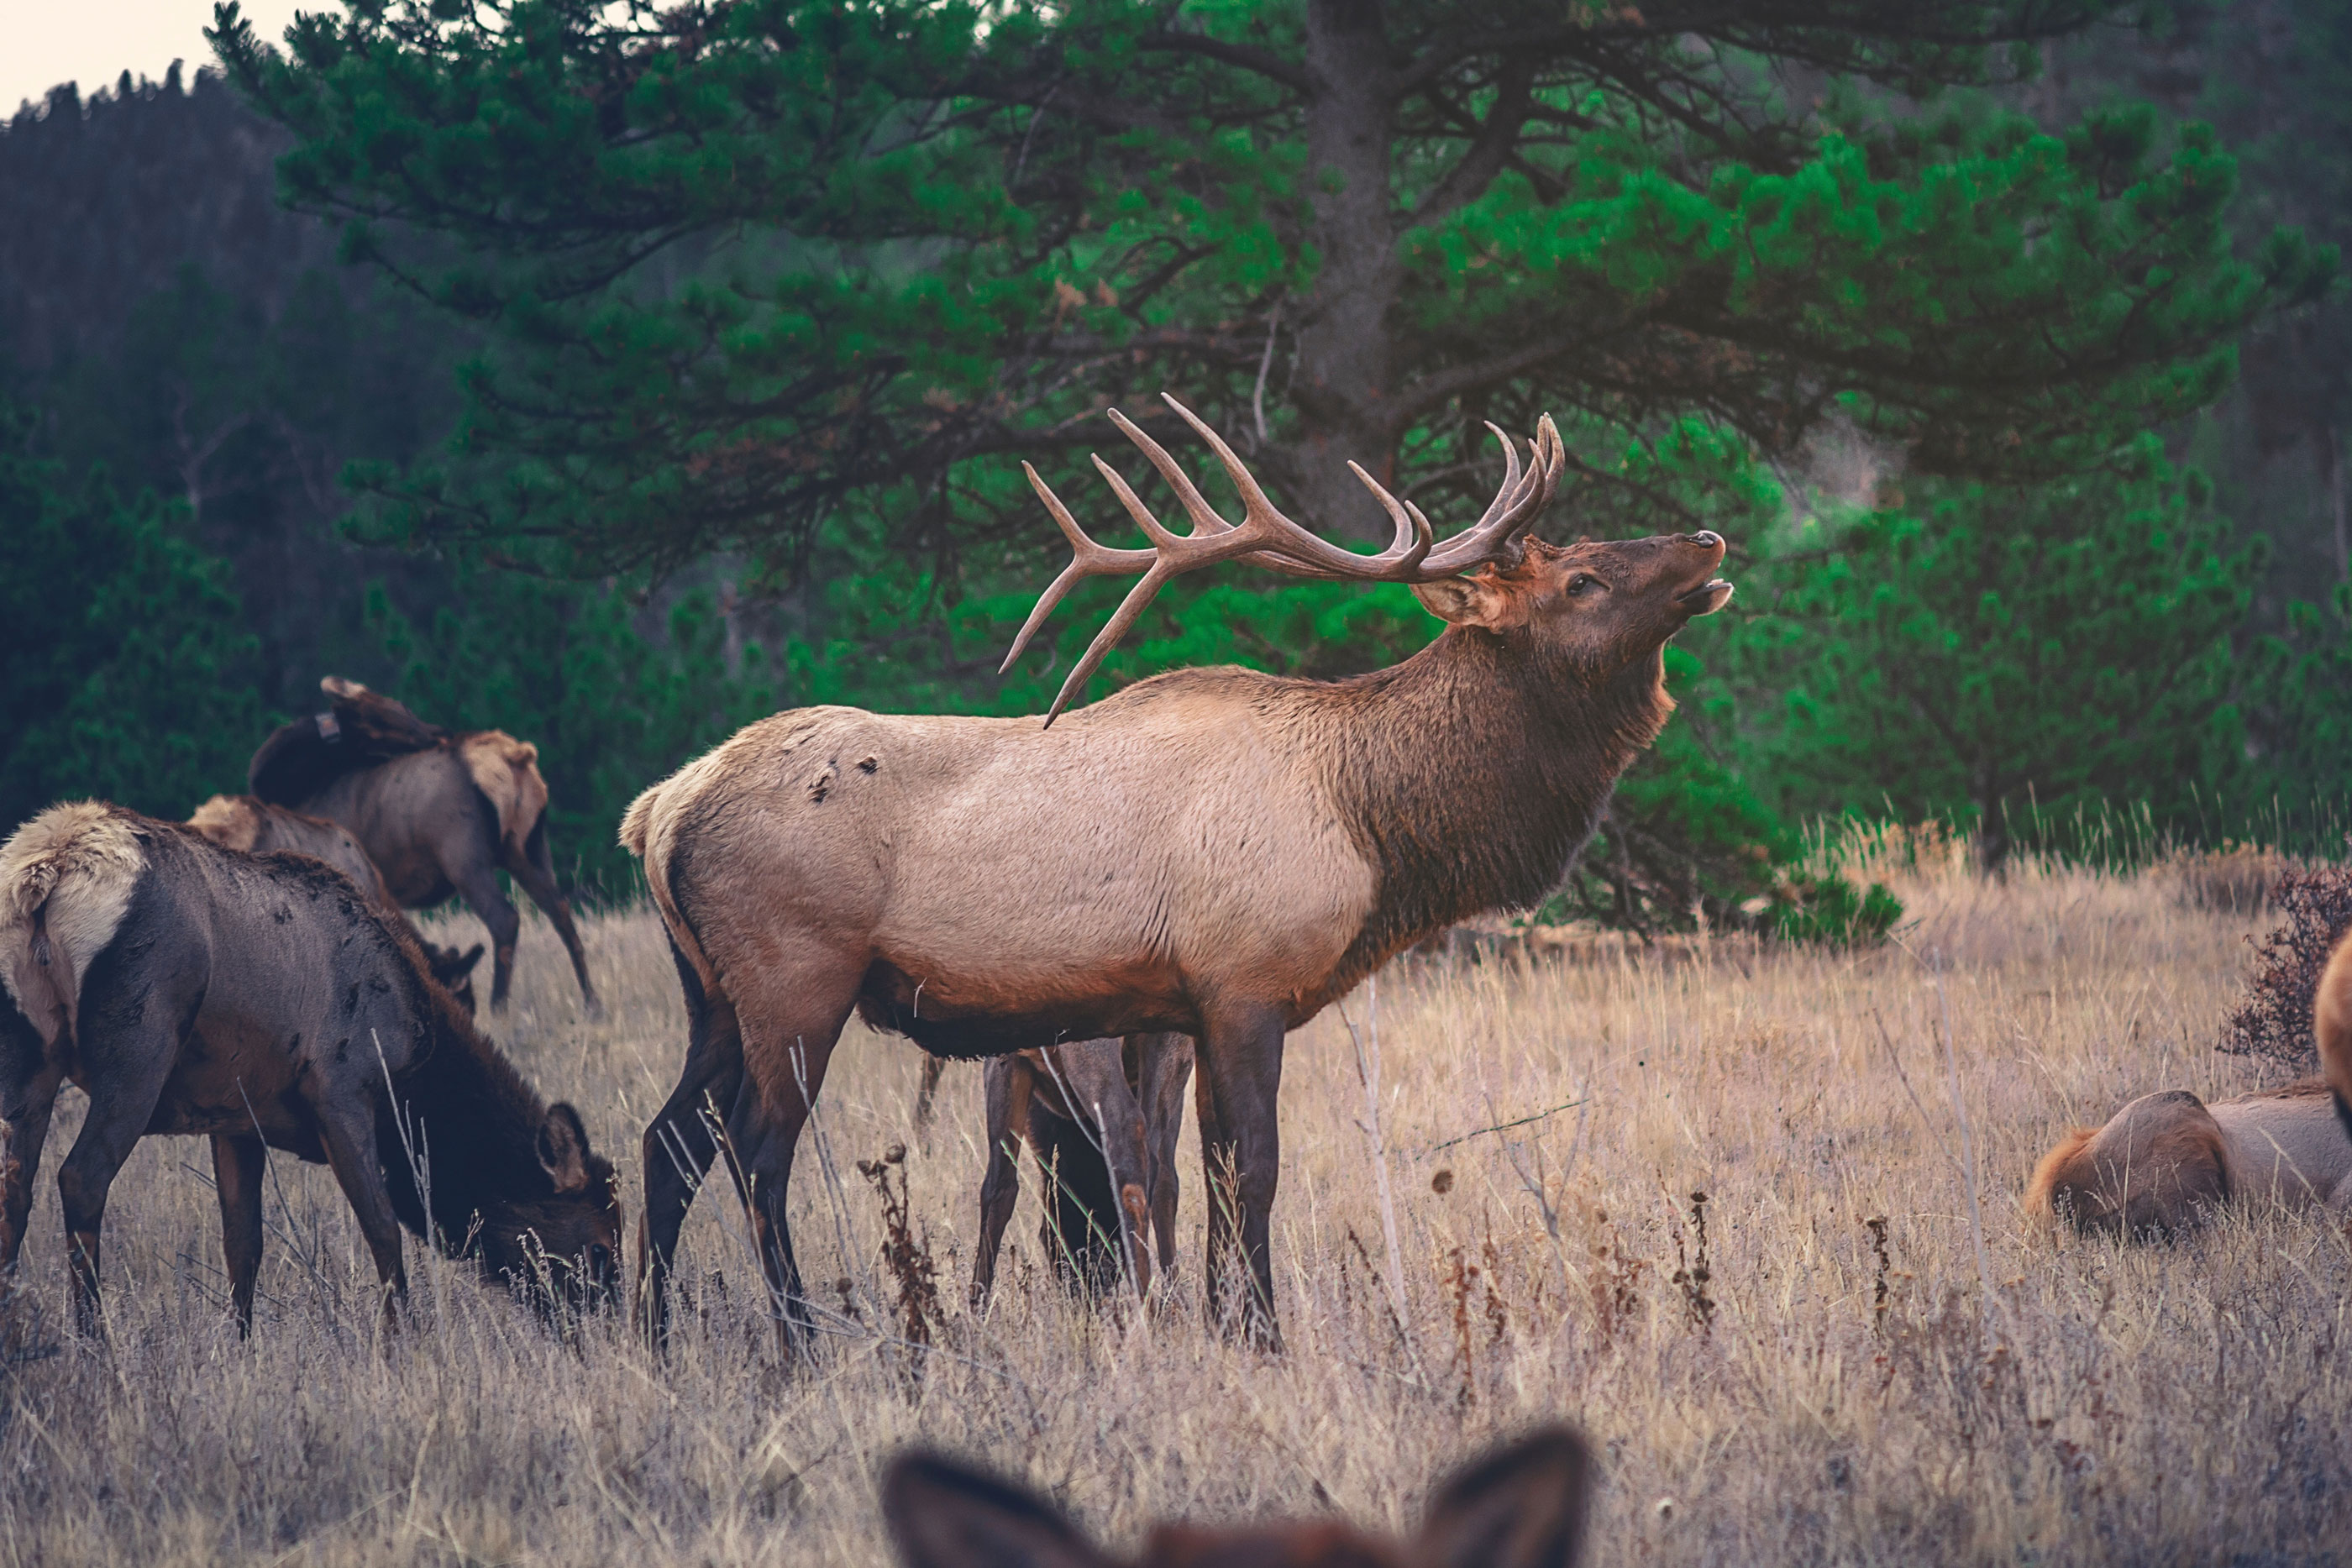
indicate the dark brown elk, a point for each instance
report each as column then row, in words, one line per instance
column 260, row 1001
column 252, row 826
column 1521, row 1506
column 1215, row 851
column 2164, row 1161
column 1102, row 1117
column 440, row 814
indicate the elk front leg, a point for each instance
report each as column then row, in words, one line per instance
column 1240, row 1061
column 348, row 1130
column 237, row 1168
column 1006, row 1087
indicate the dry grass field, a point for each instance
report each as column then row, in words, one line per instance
column 1972, row 1394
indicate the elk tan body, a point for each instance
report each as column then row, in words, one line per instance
column 251, row 825
column 2166, row 1158
column 261, row 1001
column 440, row 818
column 1214, row 853
column 1521, row 1506
column 1101, row 1116
column 2331, row 1027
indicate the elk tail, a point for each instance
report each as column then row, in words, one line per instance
column 506, row 770
column 66, row 881
column 2331, row 1026
column 649, row 831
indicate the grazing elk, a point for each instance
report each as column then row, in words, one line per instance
column 2331, row 1027
column 252, row 826
column 2165, row 1159
column 259, row 1000
column 439, row 813
column 1101, row 1116
column 1521, row 1506
column 1215, row 852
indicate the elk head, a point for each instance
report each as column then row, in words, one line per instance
column 1595, row 604
column 1522, row 1506
column 566, row 1242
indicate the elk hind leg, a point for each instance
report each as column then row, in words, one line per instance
column 237, row 1168
column 682, row 1139
column 1008, row 1094
column 534, row 869
column 27, row 1097
column 126, row 1055
column 1164, row 1064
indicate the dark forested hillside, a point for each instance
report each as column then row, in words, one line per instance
column 179, row 327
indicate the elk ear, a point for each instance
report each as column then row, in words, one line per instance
column 564, row 1148
column 1484, row 602
column 1522, row 1506
column 944, row 1514
column 450, row 966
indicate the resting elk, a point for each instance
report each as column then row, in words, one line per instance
column 251, row 825
column 2164, row 1161
column 259, row 1000
column 439, row 813
column 1101, row 1117
column 2331, row 1027
column 1215, row 851
column 1521, row 1506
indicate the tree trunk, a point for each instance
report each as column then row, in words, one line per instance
column 1346, row 376
column 2331, row 458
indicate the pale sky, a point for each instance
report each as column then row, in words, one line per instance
column 91, row 41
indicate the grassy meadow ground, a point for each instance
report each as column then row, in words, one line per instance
column 2009, row 1401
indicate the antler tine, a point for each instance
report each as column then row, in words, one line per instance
column 1516, row 504
column 1414, row 534
column 1087, row 558
column 1205, row 520
column 1130, row 608
column 1277, row 535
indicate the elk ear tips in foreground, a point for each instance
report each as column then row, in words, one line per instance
column 1216, row 852
column 1521, row 1506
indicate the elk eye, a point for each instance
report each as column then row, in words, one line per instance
column 1582, row 584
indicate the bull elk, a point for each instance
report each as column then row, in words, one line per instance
column 1520, row 1506
column 1217, row 852
column 260, row 1001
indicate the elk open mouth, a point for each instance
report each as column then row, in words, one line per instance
column 1706, row 599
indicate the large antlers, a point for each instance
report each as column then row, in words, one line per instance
column 1267, row 539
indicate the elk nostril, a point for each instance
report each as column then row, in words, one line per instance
column 1707, row 539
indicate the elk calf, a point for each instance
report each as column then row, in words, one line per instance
column 260, row 1001
column 2165, row 1159
column 1101, row 1117
column 1521, row 1506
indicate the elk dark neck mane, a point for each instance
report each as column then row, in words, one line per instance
column 1472, row 774
column 473, row 1122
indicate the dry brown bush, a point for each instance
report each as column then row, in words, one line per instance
column 2189, row 1403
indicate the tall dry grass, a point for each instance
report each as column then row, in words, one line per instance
column 2001, row 1400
